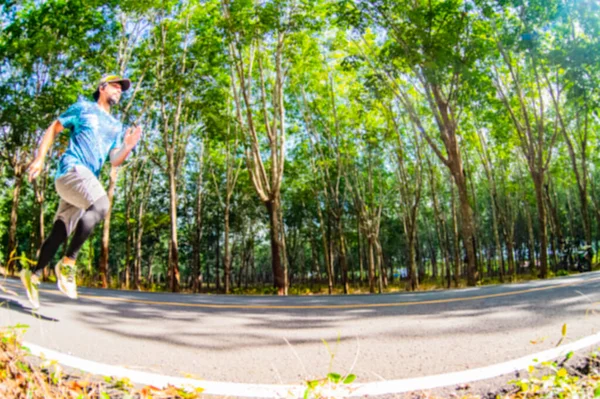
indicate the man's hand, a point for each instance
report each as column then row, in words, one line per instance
column 132, row 136
column 35, row 168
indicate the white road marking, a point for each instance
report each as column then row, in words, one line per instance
column 295, row 391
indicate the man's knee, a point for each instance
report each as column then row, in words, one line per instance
column 101, row 207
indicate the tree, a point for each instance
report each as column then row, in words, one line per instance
column 410, row 175
column 183, row 43
column 434, row 47
column 261, row 44
column 522, row 91
column 232, row 168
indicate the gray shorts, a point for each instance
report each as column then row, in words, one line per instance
column 78, row 190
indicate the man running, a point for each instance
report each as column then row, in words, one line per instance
column 95, row 135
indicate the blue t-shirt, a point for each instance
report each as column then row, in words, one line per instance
column 94, row 134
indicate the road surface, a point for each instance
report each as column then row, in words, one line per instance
column 275, row 340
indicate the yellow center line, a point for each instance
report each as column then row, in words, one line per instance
column 347, row 306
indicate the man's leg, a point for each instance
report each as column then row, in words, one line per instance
column 57, row 236
column 83, row 204
column 30, row 278
column 66, row 271
column 92, row 216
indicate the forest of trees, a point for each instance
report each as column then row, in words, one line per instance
column 342, row 144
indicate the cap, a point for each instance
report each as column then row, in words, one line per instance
column 124, row 82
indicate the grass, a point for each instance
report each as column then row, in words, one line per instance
column 355, row 288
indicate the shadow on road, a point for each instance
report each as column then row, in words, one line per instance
column 227, row 329
column 16, row 306
column 235, row 328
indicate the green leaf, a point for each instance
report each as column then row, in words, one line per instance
column 349, row 379
column 334, row 377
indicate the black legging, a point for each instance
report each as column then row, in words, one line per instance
column 92, row 216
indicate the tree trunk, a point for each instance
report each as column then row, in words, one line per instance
column 12, row 232
column 174, row 280
column 150, row 275
column 360, row 251
column 283, row 251
column 585, row 214
column 434, row 258
column 371, row 267
column 539, row 194
column 242, row 269
column 531, row 243
column 248, row 257
column 106, row 228
column 412, row 261
column 343, row 259
column 129, row 235
column 512, row 271
column 554, row 225
column 140, row 234
column 197, row 266
column 479, row 259
column 138, row 249
column 457, row 257
column 278, row 272
column 573, row 233
column 227, row 257
column 331, row 251
column 467, row 228
column 496, row 215
column 440, row 226
column 41, row 236
column 208, row 271
column 326, row 252
column 448, row 127
column 382, row 280
column 218, row 261
column 508, row 230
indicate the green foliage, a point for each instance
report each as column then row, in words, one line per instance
column 122, row 384
column 316, row 388
column 349, row 71
column 550, row 379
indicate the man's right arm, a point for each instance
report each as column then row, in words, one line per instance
column 37, row 165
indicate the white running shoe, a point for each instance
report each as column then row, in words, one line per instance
column 66, row 279
column 31, row 283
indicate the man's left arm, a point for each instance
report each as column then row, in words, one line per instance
column 131, row 138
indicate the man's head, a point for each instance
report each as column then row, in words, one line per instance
column 110, row 88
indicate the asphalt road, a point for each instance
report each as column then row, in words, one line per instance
column 272, row 340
